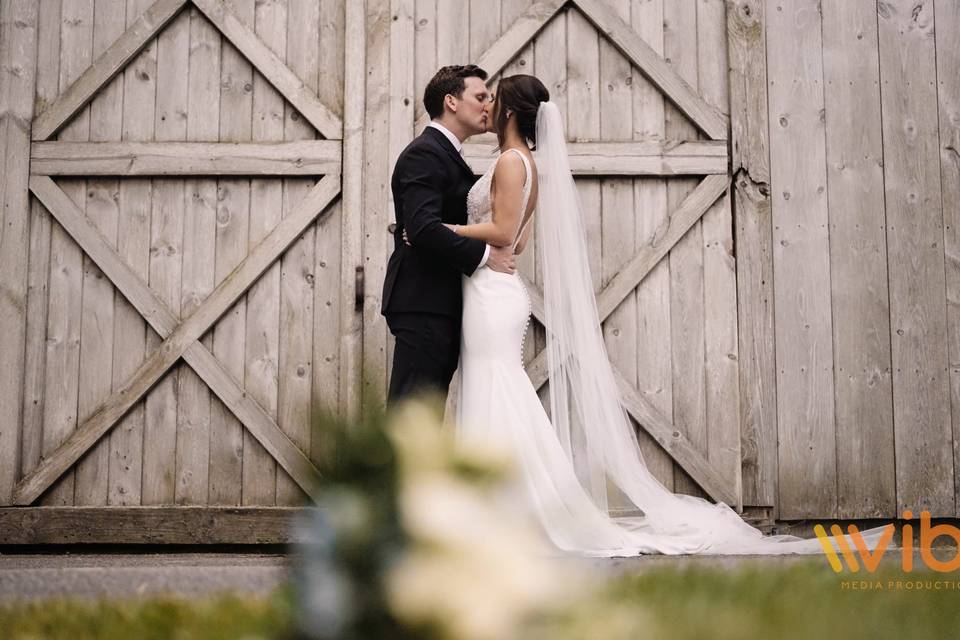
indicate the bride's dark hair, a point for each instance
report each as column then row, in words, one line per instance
column 521, row 94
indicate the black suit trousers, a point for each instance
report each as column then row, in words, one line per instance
column 425, row 356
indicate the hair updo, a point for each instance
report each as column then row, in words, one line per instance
column 522, row 95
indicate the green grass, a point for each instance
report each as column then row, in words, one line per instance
column 802, row 600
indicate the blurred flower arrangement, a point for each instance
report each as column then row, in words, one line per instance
column 417, row 535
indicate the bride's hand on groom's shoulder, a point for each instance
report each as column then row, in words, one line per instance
column 502, row 259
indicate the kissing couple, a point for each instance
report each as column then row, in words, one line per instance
column 452, row 298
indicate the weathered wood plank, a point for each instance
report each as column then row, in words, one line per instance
column 948, row 98
column 352, row 202
column 107, row 65
column 687, row 322
column 38, row 271
column 97, row 333
column 378, row 242
column 298, row 279
column 199, row 264
column 133, row 245
column 641, row 158
column 166, row 261
column 181, row 338
column 66, row 264
column 866, row 476
column 915, row 258
column 424, row 55
column 148, row 525
column 750, row 166
column 233, row 230
column 270, row 158
column 618, row 217
column 674, row 85
column 719, row 271
column 273, row 68
column 18, row 77
column 801, row 264
column 654, row 365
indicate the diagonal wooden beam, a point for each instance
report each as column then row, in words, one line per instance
column 509, row 44
column 679, row 222
column 132, row 158
column 655, row 68
column 105, row 67
column 273, row 68
column 180, row 340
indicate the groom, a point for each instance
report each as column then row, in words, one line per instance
column 422, row 298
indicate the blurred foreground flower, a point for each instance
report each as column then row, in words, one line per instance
column 416, row 535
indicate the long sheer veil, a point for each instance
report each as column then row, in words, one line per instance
column 593, row 428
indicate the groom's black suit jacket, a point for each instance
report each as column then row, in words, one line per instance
column 430, row 184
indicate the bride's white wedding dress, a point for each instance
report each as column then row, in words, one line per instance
column 497, row 401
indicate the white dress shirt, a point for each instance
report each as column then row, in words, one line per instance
column 455, row 141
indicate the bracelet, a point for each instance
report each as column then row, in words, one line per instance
column 455, row 227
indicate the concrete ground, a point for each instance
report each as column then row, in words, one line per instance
column 35, row 576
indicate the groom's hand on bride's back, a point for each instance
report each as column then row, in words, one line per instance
column 502, row 259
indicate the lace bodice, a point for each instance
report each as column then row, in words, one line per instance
column 478, row 200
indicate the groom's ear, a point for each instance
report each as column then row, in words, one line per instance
column 450, row 101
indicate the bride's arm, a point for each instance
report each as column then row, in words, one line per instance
column 506, row 197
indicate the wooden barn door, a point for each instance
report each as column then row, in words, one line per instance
column 191, row 276
column 643, row 86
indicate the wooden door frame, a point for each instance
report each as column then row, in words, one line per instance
column 181, row 339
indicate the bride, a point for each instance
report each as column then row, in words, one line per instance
column 567, row 457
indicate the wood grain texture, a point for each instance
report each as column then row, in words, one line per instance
column 801, row 263
column 750, row 172
column 866, row 477
column 18, row 77
column 915, row 258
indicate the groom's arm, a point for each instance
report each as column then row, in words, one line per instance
column 422, row 199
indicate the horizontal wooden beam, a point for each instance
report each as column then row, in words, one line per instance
column 148, row 525
column 642, row 158
column 104, row 68
column 299, row 158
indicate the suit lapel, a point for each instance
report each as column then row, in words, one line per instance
column 448, row 147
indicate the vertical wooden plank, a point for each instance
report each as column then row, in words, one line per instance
column 166, row 260
column 133, row 245
column 686, row 257
column 351, row 242
column 750, row 169
column 915, row 258
column 866, row 479
column 97, row 333
column 550, row 58
column 654, row 364
column 425, row 51
column 18, row 76
column 199, row 240
column 262, row 341
column 801, row 264
column 583, row 123
column 38, row 270
column 618, row 213
column 330, row 68
column 948, row 98
column 377, row 242
column 453, row 32
column 233, row 222
column 66, row 265
column 301, row 370
column 722, row 387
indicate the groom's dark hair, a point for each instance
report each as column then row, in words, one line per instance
column 448, row 79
